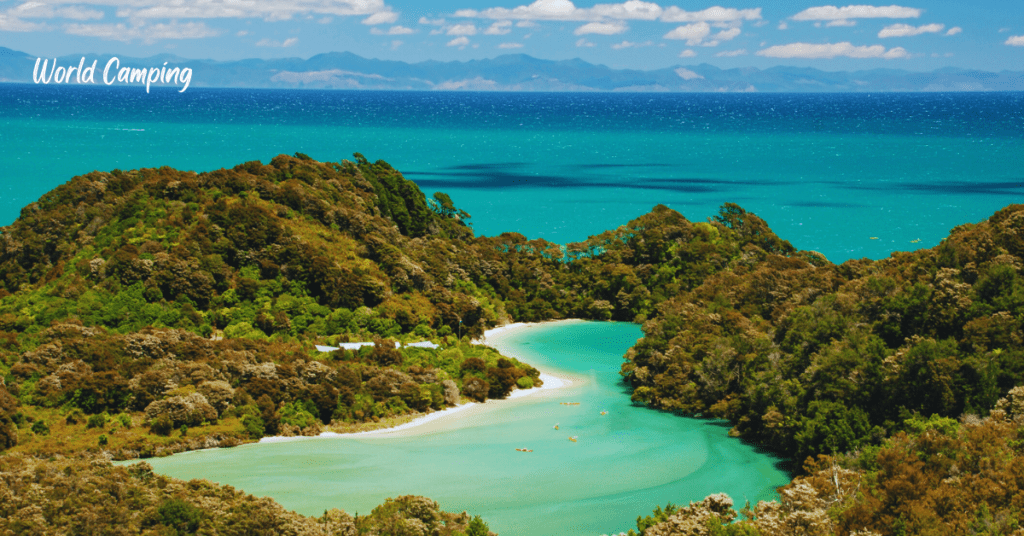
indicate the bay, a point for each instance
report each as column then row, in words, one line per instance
column 623, row 463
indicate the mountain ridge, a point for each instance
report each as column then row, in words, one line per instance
column 524, row 73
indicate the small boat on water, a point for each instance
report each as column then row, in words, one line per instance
column 570, row 403
column 573, row 438
column 604, row 412
column 556, row 426
column 524, row 450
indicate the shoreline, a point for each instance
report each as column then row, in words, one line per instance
column 494, row 338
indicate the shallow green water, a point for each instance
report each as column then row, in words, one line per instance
column 624, row 463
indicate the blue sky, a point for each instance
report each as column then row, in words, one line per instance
column 983, row 34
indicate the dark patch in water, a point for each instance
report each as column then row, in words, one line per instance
column 495, row 165
column 949, row 187
column 503, row 175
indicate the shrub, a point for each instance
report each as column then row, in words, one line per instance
column 75, row 416
column 161, row 425
column 40, row 428
column 103, row 440
column 179, row 516
column 253, row 426
column 476, row 388
column 191, row 410
column 477, row 527
column 96, row 421
column 297, row 414
column 525, row 382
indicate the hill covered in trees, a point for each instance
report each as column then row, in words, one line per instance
column 152, row 311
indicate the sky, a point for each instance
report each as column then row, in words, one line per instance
column 917, row 36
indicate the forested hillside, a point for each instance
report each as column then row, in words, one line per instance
column 152, row 311
column 900, row 369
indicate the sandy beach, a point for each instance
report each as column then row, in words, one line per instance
column 496, row 338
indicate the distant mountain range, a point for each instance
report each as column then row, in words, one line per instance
column 519, row 72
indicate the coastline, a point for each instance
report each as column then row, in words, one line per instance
column 496, row 338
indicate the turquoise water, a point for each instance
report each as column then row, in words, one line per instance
column 827, row 172
column 623, row 464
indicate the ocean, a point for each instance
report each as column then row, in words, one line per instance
column 847, row 175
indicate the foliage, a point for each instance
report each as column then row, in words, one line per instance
column 810, row 358
column 40, row 427
column 197, row 298
column 179, row 516
column 98, row 420
column 134, row 500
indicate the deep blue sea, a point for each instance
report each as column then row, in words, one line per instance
column 849, row 175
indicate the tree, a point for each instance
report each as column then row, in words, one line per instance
column 477, row 527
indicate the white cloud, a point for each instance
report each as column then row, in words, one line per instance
column 716, row 13
column 724, row 35
column 1015, row 41
column 381, row 17
column 583, row 43
column 147, row 33
column 829, row 51
column 458, row 42
column 692, row 33
column 566, row 10
column 687, row 54
column 858, row 12
column 325, row 20
column 272, row 43
column 12, row 24
column 510, row 45
column 841, row 22
column 462, row 29
column 731, row 53
column 906, row 30
column 39, row 10
column 396, row 43
column 378, row 12
column 431, row 22
column 394, row 30
column 783, row 25
column 954, row 30
column 687, row 74
column 602, row 28
column 526, row 24
column 501, row 27
column 630, row 44
column 631, row 10
column 242, row 33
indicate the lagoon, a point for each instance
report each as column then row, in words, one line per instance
column 624, row 463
